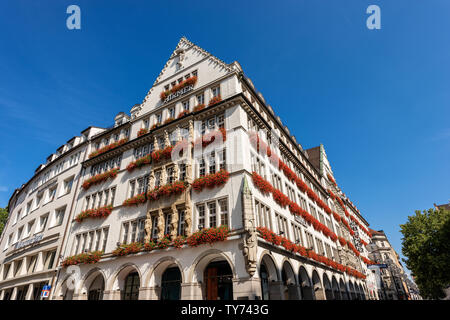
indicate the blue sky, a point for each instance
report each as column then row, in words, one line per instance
column 377, row 99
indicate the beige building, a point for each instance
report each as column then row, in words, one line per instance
column 393, row 276
column 202, row 151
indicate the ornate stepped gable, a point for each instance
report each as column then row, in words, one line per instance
column 185, row 54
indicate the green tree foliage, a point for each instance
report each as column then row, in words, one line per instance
column 3, row 218
column 426, row 244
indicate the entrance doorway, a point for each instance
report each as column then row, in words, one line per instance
column 171, row 284
column 218, row 277
column 131, row 288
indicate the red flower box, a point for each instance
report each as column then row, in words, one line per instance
column 158, row 192
column 263, row 185
column 211, row 180
column 183, row 113
column 165, row 153
column 142, row 131
column 199, row 107
column 99, row 178
column 101, row 212
column 209, row 236
column 108, row 147
column 86, row 258
column 214, row 100
column 139, row 163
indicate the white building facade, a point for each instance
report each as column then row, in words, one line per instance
column 39, row 214
column 201, row 152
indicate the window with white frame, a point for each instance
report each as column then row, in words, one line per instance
column 170, row 174
column 142, row 151
column 142, row 184
column 146, row 123
column 212, row 214
column 223, row 207
column 222, row 159
column 29, row 228
column 282, row 225
column 19, row 234
column 27, row 211
column 263, row 215
column 186, row 105
column 215, row 91
column 212, row 162
column 320, row 248
column 51, row 194
column 298, row 235
column 67, row 187
column 16, row 218
column 171, row 112
column 106, row 165
column 37, row 203
column 59, row 216
column 182, row 171
column 161, row 142
column 258, row 165
column 167, row 221
column 93, row 240
column 42, row 222
column 201, row 98
column 201, row 216
column 181, row 222
column 310, row 240
column 158, row 118
column 202, row 165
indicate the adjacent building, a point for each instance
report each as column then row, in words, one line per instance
column 39, row 214
column 200, row 192
column 392, row 277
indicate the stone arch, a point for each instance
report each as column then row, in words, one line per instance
column 268, row 274
column 116, row 283
column 201, row 262
column 269, row 261
column 317, row 286
column 327, row 287
column 305, row 284
column 344, row 291
column 89, row 277
column 213, row 271
column 335, row 288
column 62, row 290
column 154, row 276
column 289, row 281
column 155, row 271
column 92, row 279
